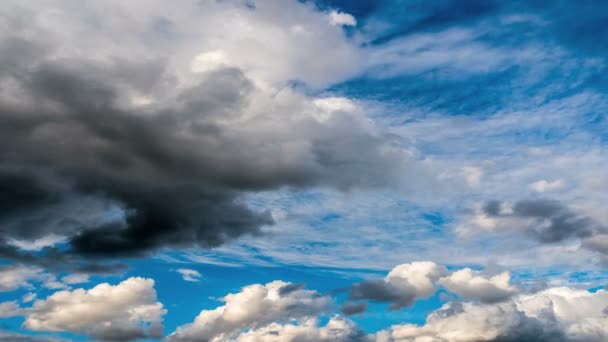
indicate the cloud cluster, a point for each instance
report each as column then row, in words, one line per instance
column 255, row 306
column 15, row 277
column 489, row 309
column 402, row 286
column 554, row 314
column 122, row 312
column 407, row 283
column 151, row 144
column 337, row 329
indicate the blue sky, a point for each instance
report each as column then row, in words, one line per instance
column 247, row 170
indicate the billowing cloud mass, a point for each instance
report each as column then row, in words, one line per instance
column 232, row 142
column 254, row 307
column 555, row 314
column 122, row 312
column 489, row 309
column 150, row 141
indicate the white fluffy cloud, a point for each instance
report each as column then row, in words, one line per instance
column 120, row 312
column 338, row 329
column 555, row 314
column 254, row 307
column 471, row 284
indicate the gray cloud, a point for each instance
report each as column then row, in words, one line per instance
column 353, row 308
column 80, row 160
column 551, row 221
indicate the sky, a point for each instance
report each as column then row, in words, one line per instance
column 303, row 171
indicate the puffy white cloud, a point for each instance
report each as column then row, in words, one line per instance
column 338, row 329
column 190, row 275
column 555, row 314
column 253, row 307
column 471, row 284
column 122, row 312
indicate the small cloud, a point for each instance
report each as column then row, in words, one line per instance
column 338, row 18
column 543, row 185
column 190, row 275
column 76, row 278
column 28, row 297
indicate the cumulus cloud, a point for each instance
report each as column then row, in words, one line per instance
column 338, row 329
column 253, row 307
column 190, row 275
column 122, row 312
column 403, row 285
column 554, row 314
column 154, row 145
column 471, row 284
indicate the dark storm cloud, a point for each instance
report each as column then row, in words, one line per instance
column 79, row 160
column 94, row 150
column 551, row 220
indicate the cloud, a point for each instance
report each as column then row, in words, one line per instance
column 353, row 308
column 544, row 185
column 337, row 329
column 253, row 307
column 545, row 220
column 143, row 152
column 190, row 275
column 28, row 297
column 554, row 314
column 6, row 336
column 122, row 312
column 470, row 284
column 9, row 309
column 403, row 285
column 341, row 18
column 75, row 278
column 14, row 277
